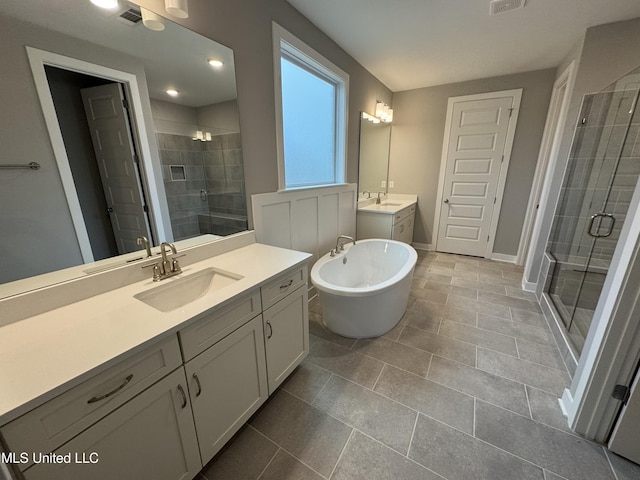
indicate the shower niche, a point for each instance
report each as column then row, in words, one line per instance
column 600, row 179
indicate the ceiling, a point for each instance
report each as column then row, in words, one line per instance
column 411, row 44
column 173, row 58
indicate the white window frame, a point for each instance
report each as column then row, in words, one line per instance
column 284, row 41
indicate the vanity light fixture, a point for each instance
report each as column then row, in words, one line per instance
column 177, row 8
column 108, row 4
column 202, row 136
column 371, row 118
column 384, row 112
column 151, row 20
column 214, row 62
column 172, row 92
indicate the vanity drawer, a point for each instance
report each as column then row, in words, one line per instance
column 215, row 326
column 405, row 212
column 50, row 425
column 282, row 285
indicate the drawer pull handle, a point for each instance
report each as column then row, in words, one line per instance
column 195, row 377
column 286, row 285
column 115, row 390
column 184, row 397
column 270, row 329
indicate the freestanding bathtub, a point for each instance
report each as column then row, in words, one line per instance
column 364, row 290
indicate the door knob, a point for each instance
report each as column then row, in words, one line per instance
column 109, row 210
column 446, row 200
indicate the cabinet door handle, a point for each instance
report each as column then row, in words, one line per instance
column 401, row 228
column 270, row 329
column 286, row 285
column 115, row 390
column 184, row 397
column 195, row 377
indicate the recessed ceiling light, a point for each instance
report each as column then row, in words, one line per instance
column 214, row 62
column 109, row 4
column 172, row 91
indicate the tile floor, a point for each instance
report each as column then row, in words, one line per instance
column 464, row 387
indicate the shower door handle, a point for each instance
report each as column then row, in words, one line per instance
column 593, row 219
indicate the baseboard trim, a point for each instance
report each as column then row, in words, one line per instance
column 501, row 257
column 529, row 286
column 422, row 246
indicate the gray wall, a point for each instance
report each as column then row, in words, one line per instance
column 607, row 53
column 416, row 148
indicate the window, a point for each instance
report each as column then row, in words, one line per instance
column 311, row 99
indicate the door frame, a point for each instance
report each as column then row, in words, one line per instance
column 38, row 59
column 508, row 147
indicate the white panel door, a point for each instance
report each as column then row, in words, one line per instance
column 625, row 439
column 473, row 173
column 111, row 135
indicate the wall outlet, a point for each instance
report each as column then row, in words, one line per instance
column 392, row 184
column 383, row 183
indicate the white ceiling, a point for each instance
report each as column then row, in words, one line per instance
column 410, row 44
column 173, row 58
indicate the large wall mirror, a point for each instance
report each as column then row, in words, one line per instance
column 85, row 96
column 374, row 156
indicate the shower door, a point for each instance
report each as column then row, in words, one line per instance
column 600, row 179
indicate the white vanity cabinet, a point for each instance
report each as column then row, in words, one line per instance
column 151, row 436
column 227, row 384
column 386, row 223
column 286, row 325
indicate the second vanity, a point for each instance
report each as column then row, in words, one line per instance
column 132, row 383
column 393, row 218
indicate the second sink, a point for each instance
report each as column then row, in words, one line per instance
column 179, row 291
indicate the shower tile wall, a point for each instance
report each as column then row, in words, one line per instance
column 212, row 197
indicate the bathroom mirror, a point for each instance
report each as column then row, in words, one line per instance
column 191, row 184
column 374, row 156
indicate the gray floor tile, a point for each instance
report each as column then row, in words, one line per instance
column 517, row 292
column 552, row 476
column 449, row 312
column 458, row 456
column 318, row 329
column 506, row 301
column 548, row 379
column 377, row 416
column 530, row 318
column 516, row 329
column 494, row 278
column 447, row 405
column 480, row 384
column 487, row 287
column 433, row 277
column 366, row 459
column 306, row 381
column 402, row 356
column 352, row 365
column 423, row 321
column 625, row 470
column 439, row 345
column 492, row 309
column 478, row 336
column 567, row 455
column 547, row 355
column 306, row 432
column 431, row 295
column 546, row 409
column 231, row 463
column 286, row 467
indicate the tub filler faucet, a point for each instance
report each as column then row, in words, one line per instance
column 340, row 245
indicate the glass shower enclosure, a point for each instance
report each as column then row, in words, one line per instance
column 601, row 176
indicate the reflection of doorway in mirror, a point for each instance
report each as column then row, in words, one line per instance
column 374, row 156
column 101, row 150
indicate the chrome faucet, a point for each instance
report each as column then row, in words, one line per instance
column 378, row 199
column 367, row 192
column 142, row 240
column 340, row 246
column 168, row 267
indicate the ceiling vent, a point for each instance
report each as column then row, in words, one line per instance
column 497, row 7
column 130, row 15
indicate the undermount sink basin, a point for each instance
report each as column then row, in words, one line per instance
column 181, row 290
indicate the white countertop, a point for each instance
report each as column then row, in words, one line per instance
column 45, row 355
column 389, row 204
